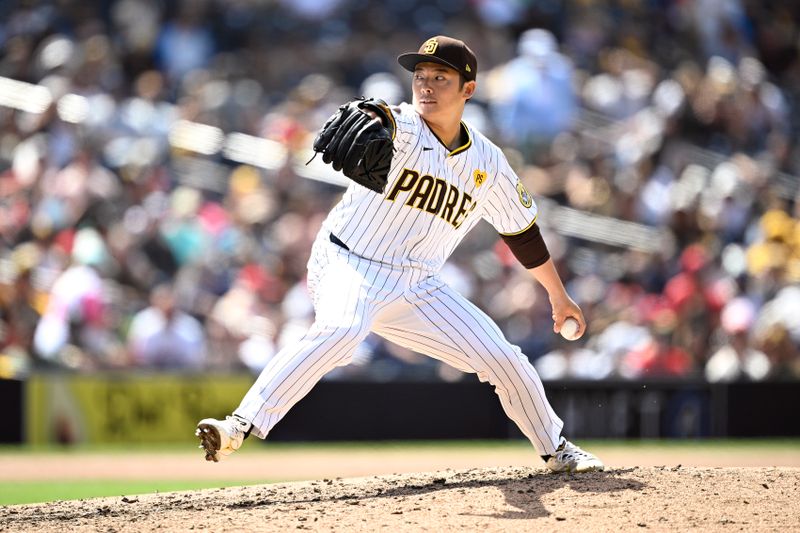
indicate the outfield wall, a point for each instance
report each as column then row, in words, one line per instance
column 162, row 408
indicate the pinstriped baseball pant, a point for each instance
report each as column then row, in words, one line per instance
column 353, row 296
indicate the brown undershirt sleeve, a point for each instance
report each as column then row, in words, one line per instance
column 528, row 247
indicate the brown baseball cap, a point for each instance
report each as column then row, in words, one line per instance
column 445, row 50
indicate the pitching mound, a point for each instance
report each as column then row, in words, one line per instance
column 497, row 499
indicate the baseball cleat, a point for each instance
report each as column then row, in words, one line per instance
column 220, row 438
column 570, row 458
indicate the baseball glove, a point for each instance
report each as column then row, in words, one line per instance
column 358, row 144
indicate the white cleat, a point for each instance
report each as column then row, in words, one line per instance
column 570, row 458
column 220, row 438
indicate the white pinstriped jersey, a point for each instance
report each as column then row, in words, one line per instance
column 432, row 199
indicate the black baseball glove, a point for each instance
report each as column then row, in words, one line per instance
column 357, row 144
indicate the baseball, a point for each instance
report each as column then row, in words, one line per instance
column 569, row 329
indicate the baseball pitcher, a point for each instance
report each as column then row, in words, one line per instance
column 422, row 178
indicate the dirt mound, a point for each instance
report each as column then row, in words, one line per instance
column 496, row 499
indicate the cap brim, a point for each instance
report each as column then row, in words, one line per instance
column 410, row 61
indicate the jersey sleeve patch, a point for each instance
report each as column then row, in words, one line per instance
column 525, row 197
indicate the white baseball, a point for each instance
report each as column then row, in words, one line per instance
column 569, row 329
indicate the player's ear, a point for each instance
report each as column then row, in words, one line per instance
column 469, row 89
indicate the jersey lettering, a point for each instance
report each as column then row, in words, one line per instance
column 434, row 196
column 419, row 197
column 405, row 182
column 466, row 200
column 450, row 204
column 437, row 196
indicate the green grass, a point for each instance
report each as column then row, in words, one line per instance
column 356, row 446
column 19, row 492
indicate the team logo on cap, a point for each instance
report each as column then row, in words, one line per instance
column 479, row 176
column 525, row 197
column 430, row 46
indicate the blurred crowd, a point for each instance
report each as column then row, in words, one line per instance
column 126, row 244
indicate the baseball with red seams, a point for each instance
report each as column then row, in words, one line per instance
column 569, row 329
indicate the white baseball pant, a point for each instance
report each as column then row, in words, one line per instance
column 353, row 296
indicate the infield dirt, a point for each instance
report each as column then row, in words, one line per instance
column 486, row 499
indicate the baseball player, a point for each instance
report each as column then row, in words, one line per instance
column 422, row 179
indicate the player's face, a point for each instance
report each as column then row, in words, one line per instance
column 436, row 91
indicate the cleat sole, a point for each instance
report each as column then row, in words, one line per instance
column 209, row 441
